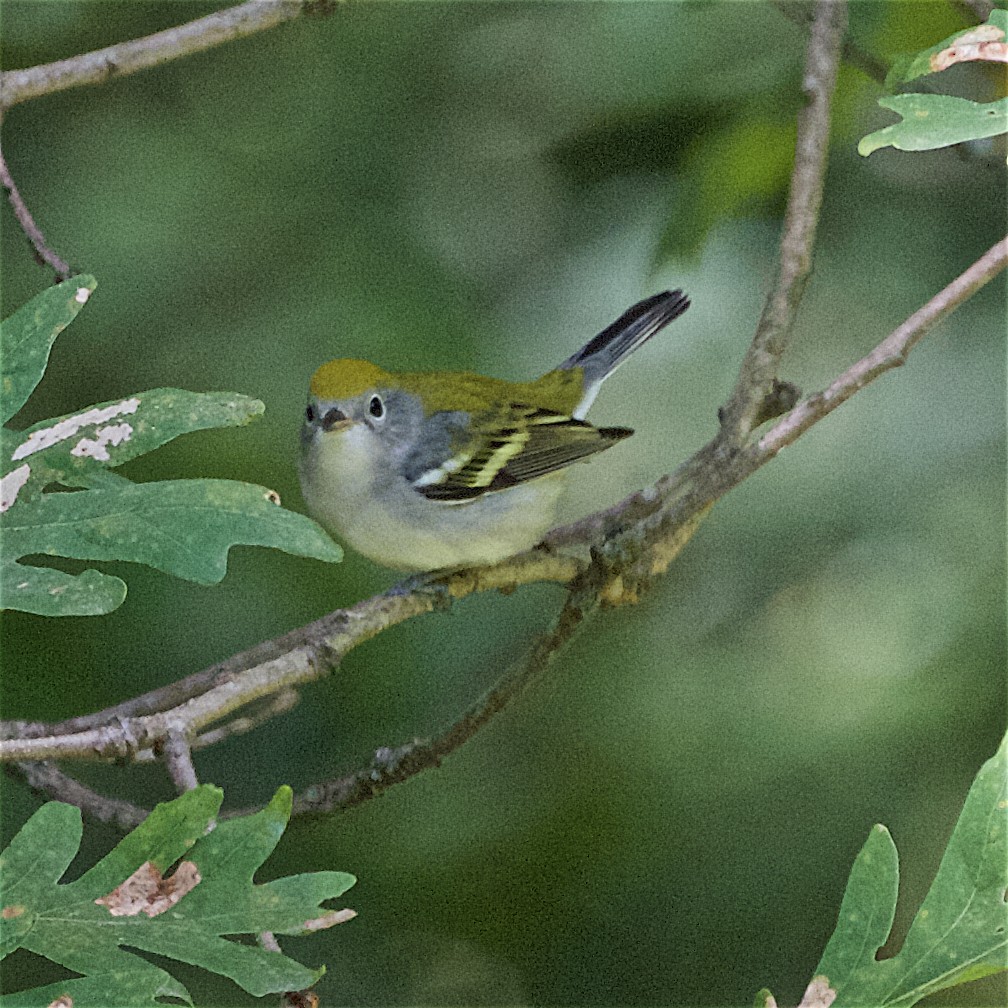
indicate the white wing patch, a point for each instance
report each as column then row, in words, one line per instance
column 432, row 476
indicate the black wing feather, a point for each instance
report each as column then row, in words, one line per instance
column 553, row 441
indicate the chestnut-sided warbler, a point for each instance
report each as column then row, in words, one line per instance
column 427, row 470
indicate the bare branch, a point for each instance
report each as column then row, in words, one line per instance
column 890, row 353
column 52, row 782
column 296, row 658
column 801, row 13
column 759, row 369
column 283, row 702
column 44, row 255
column 126, row 58
column 393, row 766
column 176, row 753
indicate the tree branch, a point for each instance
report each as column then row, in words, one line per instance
column 294, row 659
column 747, row 405
column 802, row 13
column 51, row 781
column 176, row 753
column 890, row 353
column 44, row 255
column 126, row 58
column 630, row 544
column 394, row 765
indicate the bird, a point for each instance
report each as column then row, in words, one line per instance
column 424, row 471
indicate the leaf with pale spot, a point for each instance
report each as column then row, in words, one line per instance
column 933, row 120
column 62, row 922
column 183, row 527
column 28, row 335
column 960, row 932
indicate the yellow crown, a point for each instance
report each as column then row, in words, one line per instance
column 344, row 379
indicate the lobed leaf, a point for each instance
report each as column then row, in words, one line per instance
column 48, row 592
column 183, row 527
column 960, row 932
column 932, row 120
column 909, row 68
column 64, row 923
column 76, row 448
column 28, row 335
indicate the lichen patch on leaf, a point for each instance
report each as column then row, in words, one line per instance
column 10, row 485
column 46, row 437
column 95, row 448
column 146, row 891
column 985, row 43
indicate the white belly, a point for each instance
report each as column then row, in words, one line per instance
column 380, row 515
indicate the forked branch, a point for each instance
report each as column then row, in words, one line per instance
column 616, row 553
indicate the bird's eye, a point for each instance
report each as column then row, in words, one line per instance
column 309, row 413
column 376, row 407
column 332, row 417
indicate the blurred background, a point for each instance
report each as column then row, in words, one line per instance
column 670, row 816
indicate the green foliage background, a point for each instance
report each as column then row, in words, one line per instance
column 670, row 817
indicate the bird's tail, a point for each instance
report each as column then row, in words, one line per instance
column 602, row 355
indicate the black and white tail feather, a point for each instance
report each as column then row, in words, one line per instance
column 600, row 357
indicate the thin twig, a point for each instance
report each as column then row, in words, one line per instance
column 801, row 13
column 759, row 368
column 296, row 658
column 394, row 765
column 282, row 703
column 125, row 58
column 890, row 353
column 54, row 783
column 44, row 255
column 176, row 753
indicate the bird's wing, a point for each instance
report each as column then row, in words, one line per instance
column 517, row 444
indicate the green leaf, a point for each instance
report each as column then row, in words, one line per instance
column 908, row 68
column 28, row 335
column 76, row 449
column 182, row 527
column 866, row 913
column 930, row 121
column 960, row 932
column 66, row 925
column 47, row 592
column 124, row 987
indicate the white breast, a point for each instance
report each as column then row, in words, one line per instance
column 379, row 514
